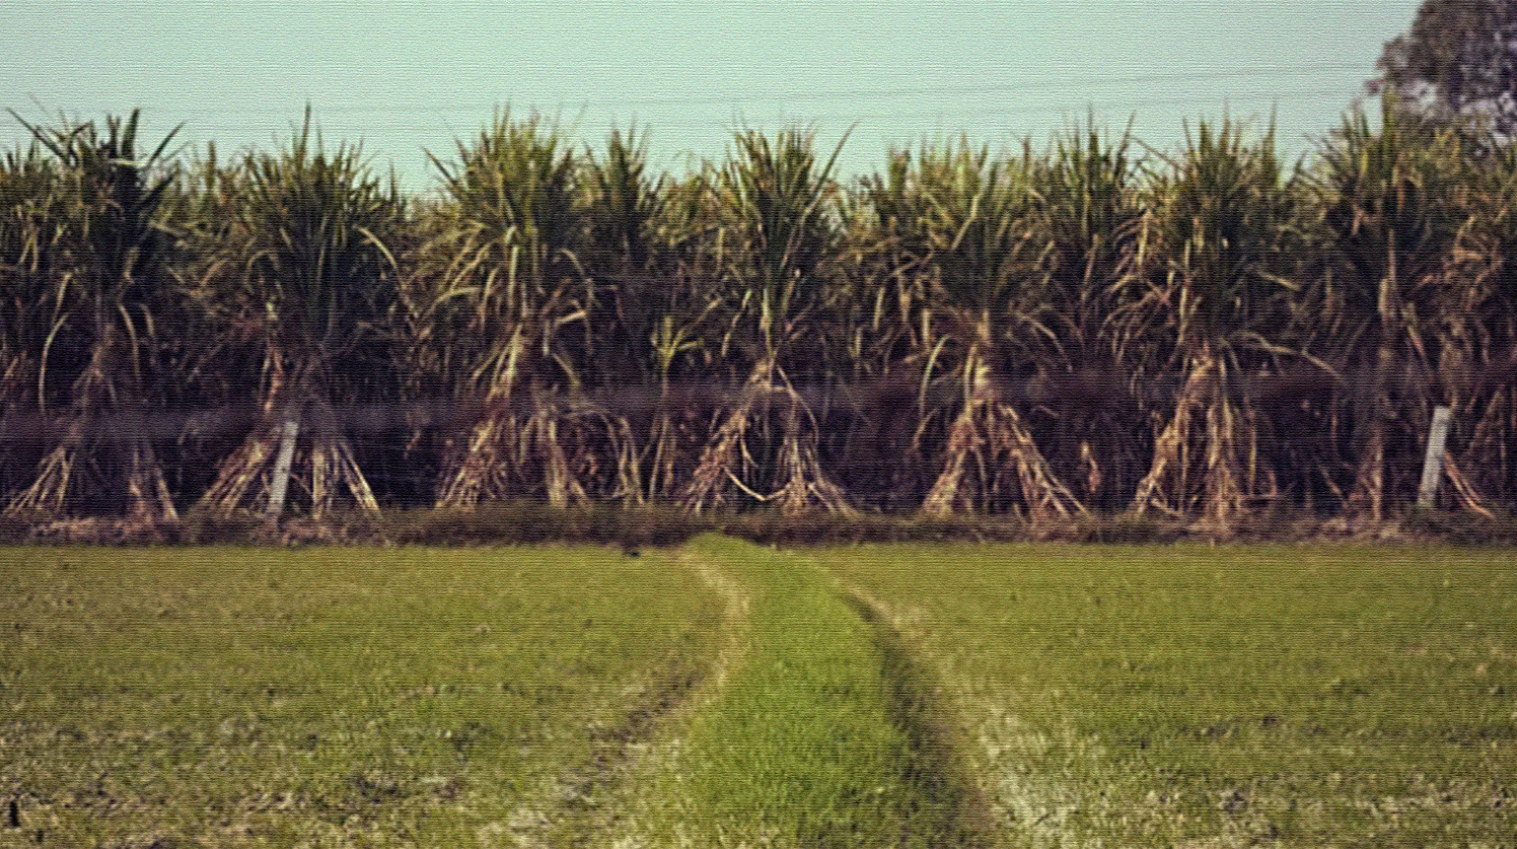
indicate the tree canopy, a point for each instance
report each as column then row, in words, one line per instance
column 1456, row 65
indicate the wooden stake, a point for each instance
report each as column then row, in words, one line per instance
column 282, row 469
column 1432, row 464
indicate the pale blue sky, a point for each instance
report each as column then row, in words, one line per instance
column 403, row 75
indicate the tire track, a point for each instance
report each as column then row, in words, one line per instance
column 737, row 603
column 941, row 772
column 1025, row 809
column 594, row 803
column 612, row 800
column 1039, row 807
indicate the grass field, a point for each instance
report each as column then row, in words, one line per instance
column 808, row 741
column 1290, row 696
column 328, row 697
column 724, row 694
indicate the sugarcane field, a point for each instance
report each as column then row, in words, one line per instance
column 1059, row 494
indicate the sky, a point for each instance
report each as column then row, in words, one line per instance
column 404, row 77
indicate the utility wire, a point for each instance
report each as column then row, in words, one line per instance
column 1054, row 83
column 945, row 111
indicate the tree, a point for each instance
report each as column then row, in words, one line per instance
column 1457, row 64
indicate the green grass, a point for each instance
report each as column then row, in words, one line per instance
column 723, row 694
column 241, row 697
column 1191, row 695
column 805, row 744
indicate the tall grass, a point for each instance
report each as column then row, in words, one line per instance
column 90, row 266
column 1095, row 326
column 306, row 276
column 1227, row 228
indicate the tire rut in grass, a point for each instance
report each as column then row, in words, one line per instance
column 827, row 733
column 590, row 796
column 814, row 727
column 939, row 772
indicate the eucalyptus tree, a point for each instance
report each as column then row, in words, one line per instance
column 775, row 230
column 1456, row 67
column 970, row 213
column 88, row 248
column 504, row 291
column 303, row 276
column 1387, row 197
column 1228, row 234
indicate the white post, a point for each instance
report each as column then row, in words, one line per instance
column 1432, row 464
column 282, row 469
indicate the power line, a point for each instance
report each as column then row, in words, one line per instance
column 1042, row 83
column 411, row 127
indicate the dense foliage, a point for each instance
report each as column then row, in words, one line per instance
column 1085, row 328
column 1457, row 65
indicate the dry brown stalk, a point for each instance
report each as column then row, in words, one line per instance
column 988, row 436
column 558, row 451
column 727, row 466
column 80, row 466
column 323, row 456
column 1231, row 478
